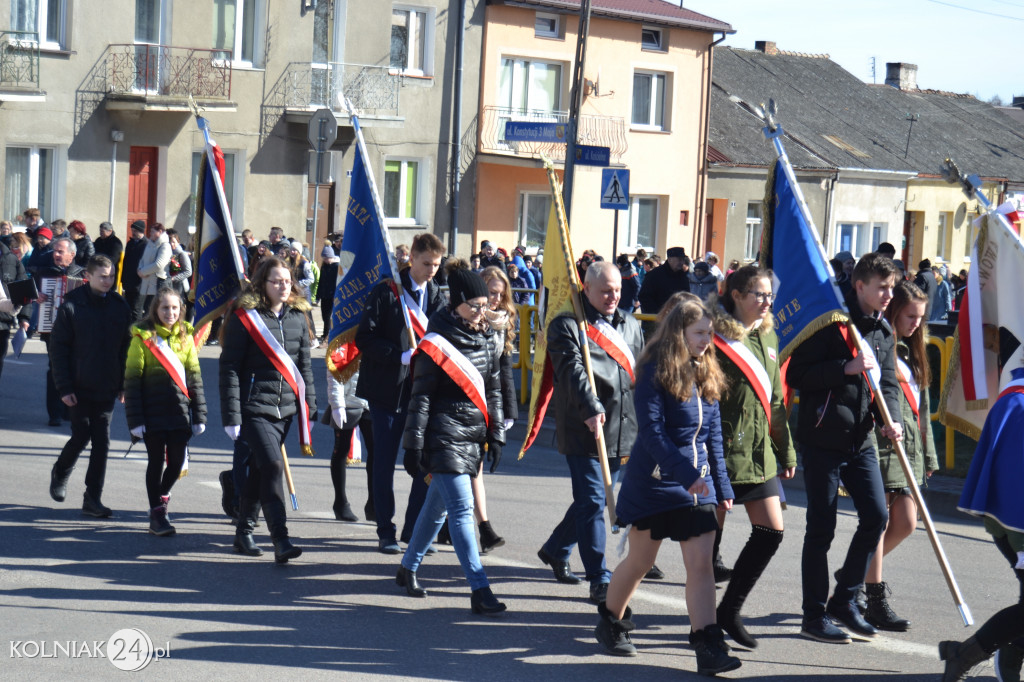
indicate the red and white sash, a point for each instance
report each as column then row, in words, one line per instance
column 611, row 342
column 1016, row 386
column 259, row 332
column 414, row 315
column 169, row 360
column 752, row 369
column 911, row 391
column 457, row 366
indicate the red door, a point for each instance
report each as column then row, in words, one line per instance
column 142, row 179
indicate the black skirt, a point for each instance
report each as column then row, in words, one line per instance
column 680, row 524
column 749, row 492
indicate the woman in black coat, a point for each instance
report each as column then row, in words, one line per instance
column 273, row 308
column 455, row 410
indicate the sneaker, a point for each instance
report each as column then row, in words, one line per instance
column 823, row 630
column 1009, row 659
column 91, row 506
column 849, row 615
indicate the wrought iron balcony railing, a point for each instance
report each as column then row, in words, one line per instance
column 599, row 131
column 368, row 89
column 166, row 71
column 19, row 61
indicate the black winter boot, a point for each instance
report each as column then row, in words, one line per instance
column 878, row 611
column 158, row 523
column 1009, row 660
column 722, row 572
column 750, row 564
column 59, row 483
column 488, row 538
column 246, row 524
column 274, row 513
column 712, row 657
column 227, row 494
column 407, row 579
column 484, row 602
column 91, row 506
column 613, row 633
column 960, row 657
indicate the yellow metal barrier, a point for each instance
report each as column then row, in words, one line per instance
column 945, row 347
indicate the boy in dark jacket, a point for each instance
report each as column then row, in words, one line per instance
column 834, row 430
column 385, row 381
column 88, row 348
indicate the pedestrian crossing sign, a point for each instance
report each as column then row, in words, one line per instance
column 615, row 188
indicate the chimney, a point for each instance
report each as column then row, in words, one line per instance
column 766, row 46
column 1018, row 102
column 901, row 75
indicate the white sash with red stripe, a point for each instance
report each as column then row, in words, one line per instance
column 414, row 315
column 611, row 342
column 259, row 332
column 1016, row 386
column 457, row 366
column 752, row 369
column 168, row 359
column 911, row 390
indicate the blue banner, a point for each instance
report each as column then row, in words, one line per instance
column 364, row 262
column 218, row 270
column 806, row 296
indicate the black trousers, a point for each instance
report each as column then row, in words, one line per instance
column 160, row 444
column 55, row 407
column 90, row 421
column 264, row 436
column 339, row 460
column 5, row 336
column 1007, row 625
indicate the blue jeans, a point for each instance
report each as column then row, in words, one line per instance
column 388, row 426
column 583, row 522
column 454, row 493
column 859, row 473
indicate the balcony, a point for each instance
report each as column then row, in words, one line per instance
column 162, row 77
column 371, row 92
column 599, row 131
column 19, row 67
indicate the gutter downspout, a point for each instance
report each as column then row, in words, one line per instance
column 701, row 215
column 829, row 206
column 460, row 37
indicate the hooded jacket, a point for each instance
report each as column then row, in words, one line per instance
column 153, row 265
column 151, row 397
column 679, row 441
column 752, row 448
column 703, row 285
column 573, row 398
column 89, row 344
column 250, row 385
column 442, row 421
column 836, row 411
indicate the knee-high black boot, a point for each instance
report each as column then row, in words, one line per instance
column 339, row 464
column 722, row 572
column 248, row 510
column 756, row 555
column 274, row 513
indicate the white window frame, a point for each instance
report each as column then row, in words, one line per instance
column 521, row 78
column 58, row 174
column 426, row 15
column 236, row 201
column 633, row 237
column 943, row 237
column 657, row 32
column 754, row 229
column 859, row 238
column 555, row 32
column 651, row 110
column 41, row 26
column 421, row 166
column 259, row 28
column 879, row 234
column 521, row 227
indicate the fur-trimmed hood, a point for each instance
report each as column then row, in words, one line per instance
column 250, row 301
column 731, row 328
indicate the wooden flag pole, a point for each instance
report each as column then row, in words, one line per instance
column 288, row 478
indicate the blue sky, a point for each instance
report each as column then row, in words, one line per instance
column 964, row 46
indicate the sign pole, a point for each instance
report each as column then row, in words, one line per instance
column 615, row 236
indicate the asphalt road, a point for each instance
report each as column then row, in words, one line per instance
column 68, row 582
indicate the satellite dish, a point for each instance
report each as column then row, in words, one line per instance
column 960, row 216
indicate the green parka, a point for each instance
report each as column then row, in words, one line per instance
column 917, row 442
column 752, row 449
column 151, row 397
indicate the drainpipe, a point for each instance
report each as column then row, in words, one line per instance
column 115, row 137
column 460, row 37
column 826, row 229
column 701, row 215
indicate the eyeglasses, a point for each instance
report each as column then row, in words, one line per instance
column 280, row 282
column 476, row 308
column 762, row 297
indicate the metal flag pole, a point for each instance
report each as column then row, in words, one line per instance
column 773, row 131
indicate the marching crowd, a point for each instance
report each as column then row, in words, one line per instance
column 693, row 419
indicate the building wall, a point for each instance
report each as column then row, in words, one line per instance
column 930, row 197
column 76, row 117
column 867, row 201
column 662, row 164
